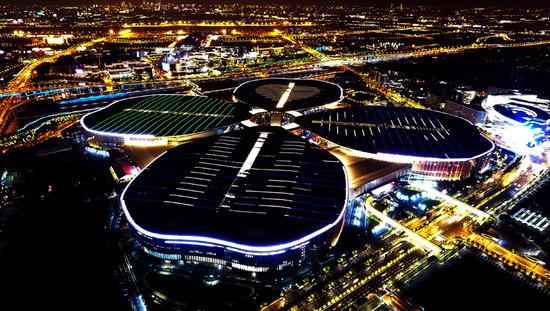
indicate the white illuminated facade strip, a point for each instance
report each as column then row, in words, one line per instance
column 399, row 158
column 144, row 140
column 284, row 97
column 252, row 155
column 290, row 126
column 248, row 123
column 257, row 110
column 295, row 113
column 237, row 247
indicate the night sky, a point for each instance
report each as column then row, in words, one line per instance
column 439, row 3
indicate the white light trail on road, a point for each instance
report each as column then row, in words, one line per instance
column 461, row 205
column 413, row 236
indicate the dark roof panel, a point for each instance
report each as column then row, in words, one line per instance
column 398, row 131
column 163, row 115
column 253, row 187
column 297, row 94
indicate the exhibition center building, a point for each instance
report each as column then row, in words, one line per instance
column 258, row 200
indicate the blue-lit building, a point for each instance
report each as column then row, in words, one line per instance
column 521, row 121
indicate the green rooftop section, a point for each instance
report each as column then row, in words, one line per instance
column 162, row 115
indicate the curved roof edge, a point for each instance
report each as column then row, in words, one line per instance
column 340, row 98
column 140, row 136
column 399, row 158
column 258, row 250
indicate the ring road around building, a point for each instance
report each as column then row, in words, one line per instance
column 437, row 145
column 260, row 200
column 160, row 119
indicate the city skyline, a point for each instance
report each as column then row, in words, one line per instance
column 378, row 3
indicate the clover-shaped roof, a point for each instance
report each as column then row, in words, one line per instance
column 399, row 134
column 258, row 189
column 263, row 188
column 281, row 94
column 163, row 115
